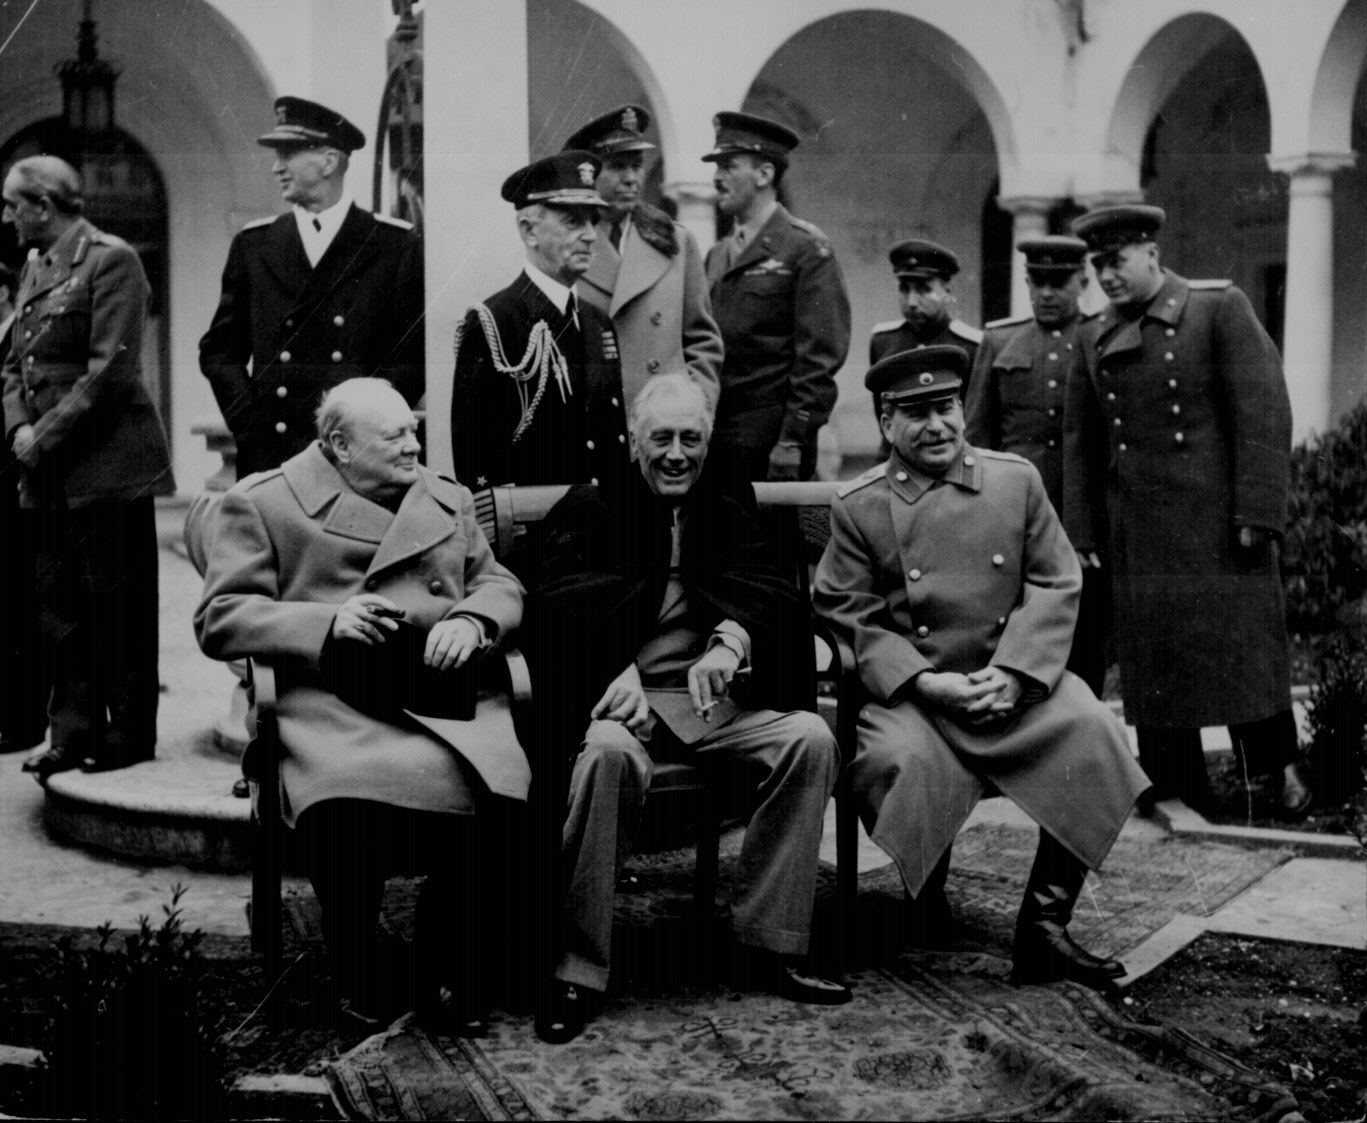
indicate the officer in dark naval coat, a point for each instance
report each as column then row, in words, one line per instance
column 538, row 386
column 779, row 298
column 1177, row 442
column 311, row 298
column 1015, row 404
column 92, row 455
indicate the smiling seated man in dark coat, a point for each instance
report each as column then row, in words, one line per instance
column 950, row 575
column 365, row 579
column 650, row 598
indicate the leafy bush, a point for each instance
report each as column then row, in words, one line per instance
column 1337, row 716
column 1324, row 556
column 128, row 1042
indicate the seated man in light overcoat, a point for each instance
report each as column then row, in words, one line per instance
column 365, row 580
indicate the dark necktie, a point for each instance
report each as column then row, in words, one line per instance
column 318, row 225
column 615, row 235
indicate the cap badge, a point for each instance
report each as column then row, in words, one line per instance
column 282, row 114
column 629, row 121
column 586, row 174
column 925, row 378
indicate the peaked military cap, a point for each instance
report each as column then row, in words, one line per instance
column 742, row 133
column 565, row 180
column 922, row 374
column 919, row 258
column 1055, row 254
column 619, row 130
column 1111, row 228
column 307, row 123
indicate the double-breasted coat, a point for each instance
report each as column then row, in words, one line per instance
column 655, row 293
column 956, row 574
column 784, row 317
column 1178, row 433
column 513, row 419
column 286, row 332
column 293, row 544
column 1017, row 394
column 74, row 372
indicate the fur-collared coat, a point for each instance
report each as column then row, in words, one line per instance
column 290, row 546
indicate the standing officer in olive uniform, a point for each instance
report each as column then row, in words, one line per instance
column 92, row 455
column 1015, row 404
column 925, row 292
column 1177, row 443
column 538, row 388
column 949, row 574
column 311, row 298
column 779, row 298
column 647, row 271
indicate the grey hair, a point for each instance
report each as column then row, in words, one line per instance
column 667, row 387
column 337, row 409
column 53, row 178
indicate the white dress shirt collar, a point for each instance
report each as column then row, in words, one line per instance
column 555, row 292
column 317, row 238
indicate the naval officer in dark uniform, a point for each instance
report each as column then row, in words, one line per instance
column 1015, row 404
column 311, row 298
column 779, row 298
column 538, row 385
column 1176, row 464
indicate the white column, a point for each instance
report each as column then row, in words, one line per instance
column 475, row 112
column 1029, row 219
column 1309, row 336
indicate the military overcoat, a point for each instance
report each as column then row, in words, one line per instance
column 1178, row 433
column 1017, row 394
column 513, row 419
column 293, row 544
column 74, row 372
column 285, row 332
column 655, row 293
column 784, row 317
column 954, row 575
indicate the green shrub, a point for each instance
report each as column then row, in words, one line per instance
column 1336, row 715
column 1324, row 556
column 128, row 1041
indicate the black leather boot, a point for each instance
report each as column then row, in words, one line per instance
column 929, row 921
column 1043, row 951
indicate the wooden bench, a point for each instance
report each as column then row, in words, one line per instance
column 505, row 514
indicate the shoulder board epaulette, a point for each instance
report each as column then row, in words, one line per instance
column 810, row 228
column 1209, row 286
column 389, row 220
column 965, row 331
column 256, row 479
column 258, row 223
column 1007, row 322
column 995, row 454
column 887, row 325
column 1088, row 317
column 862, row 480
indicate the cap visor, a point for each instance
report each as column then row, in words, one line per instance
column 569, row 199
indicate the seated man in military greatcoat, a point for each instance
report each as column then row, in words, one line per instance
column 949, row 574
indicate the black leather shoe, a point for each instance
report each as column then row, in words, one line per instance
column 57, row 759
column 443, row 1012
column 1045, row 953
column 108, row 760
column 564, row 1011
column 1296, row 794
column 800, row 983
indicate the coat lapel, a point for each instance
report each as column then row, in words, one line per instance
column 763, row 246
column 353, row 245
column 46, row 271
column 604, row 267
column 641, row 267
column 422, row 521
column 285, row 256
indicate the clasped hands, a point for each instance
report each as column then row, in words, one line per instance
column 979, row 698
column 367, row 617
column 709, row 680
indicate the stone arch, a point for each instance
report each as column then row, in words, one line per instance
column 194, row 94
column 903, row 135
column 1337, row 77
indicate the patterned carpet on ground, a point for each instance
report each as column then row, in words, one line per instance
column 928, row 1036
